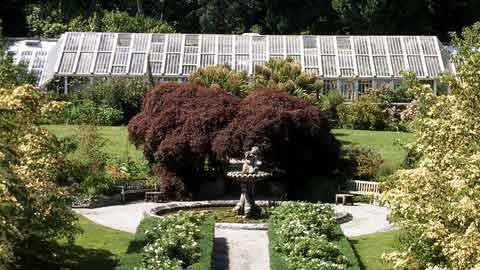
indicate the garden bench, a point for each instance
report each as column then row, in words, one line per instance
column 357, row 187
column 154, row 196
column 134, row 186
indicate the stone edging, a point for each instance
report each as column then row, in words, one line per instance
column 169, row 207
column 242, row 226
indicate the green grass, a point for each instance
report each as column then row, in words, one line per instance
column 347, row 250
column 277, row 260
column 117, row 146
column 387, row 143
column 369, row 248
column 98, row 247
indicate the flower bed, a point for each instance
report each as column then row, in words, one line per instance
column 177, row 242
column 306, row 236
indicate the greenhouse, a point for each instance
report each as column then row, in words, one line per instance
column 351, row 64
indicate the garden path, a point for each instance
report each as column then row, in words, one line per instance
column 241, row 249
column 367, row 219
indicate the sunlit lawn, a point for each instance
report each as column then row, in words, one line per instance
column 389, row 144
column 369, row 248
column 98, row 247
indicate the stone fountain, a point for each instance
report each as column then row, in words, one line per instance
column 246, row 173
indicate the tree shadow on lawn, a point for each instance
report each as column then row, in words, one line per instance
column 80, row 258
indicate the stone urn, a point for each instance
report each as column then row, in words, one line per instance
column 246, row 173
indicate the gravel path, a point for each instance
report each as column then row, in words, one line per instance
column 239, row 249
column 366, row 219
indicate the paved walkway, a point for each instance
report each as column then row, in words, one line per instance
column 367, row 218
column 239, row 249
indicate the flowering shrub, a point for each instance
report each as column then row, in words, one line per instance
column 34, row 206
column 306, row 232
column 173, row 244
column 437, row 203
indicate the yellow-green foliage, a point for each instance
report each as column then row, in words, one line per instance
column 33, row 206
column 234, row 82
column 438, row 203
column 286, row 75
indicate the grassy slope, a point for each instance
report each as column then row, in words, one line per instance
column 369, row 248
column 117, row 145
column 387, row 143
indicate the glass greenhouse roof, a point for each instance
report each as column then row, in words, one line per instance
column 177, row 55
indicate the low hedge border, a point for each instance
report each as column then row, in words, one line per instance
column 278, row 260
column 133, row 258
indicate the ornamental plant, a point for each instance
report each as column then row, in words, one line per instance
column 437, row 202
column 173, row 244
column 306, row 232
column 293, row 135
column 234, row 82
column 34, row 203
column 176, row 129
column 286, row 75
column 367, row 112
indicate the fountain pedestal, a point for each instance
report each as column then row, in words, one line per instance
column 246, row 205
column 247, row 177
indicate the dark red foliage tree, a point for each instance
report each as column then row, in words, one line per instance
column 293, row 135
column 176, row 128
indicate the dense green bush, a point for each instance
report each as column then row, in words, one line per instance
column 367, row 112
column 329, row 104
column 306, row 236
column 88, row 112
column 115, row 100
column 363, row 163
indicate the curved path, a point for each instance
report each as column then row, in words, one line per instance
column 367, row 219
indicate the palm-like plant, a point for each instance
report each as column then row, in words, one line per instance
column 234, row 82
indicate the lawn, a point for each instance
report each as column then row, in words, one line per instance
column 388, row 143
column 118, row 145
column 98, row 247
column 369, row 248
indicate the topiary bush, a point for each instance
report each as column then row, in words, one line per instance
column 176, row 129
column 293, row 135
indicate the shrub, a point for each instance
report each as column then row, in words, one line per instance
column 174, row 242
column 176, row 129
column 115, row 101
column 34, row 211
column 293, row 136
column 367, row 112
column 234, row 82
column 330, row 103
column 436, row 202
column 286, row 75
column 89, row 113
column 305, row 234
column 363, row 163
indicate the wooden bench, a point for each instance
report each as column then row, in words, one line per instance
column 154, row 196
column 367, row 188
column 134, row 186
